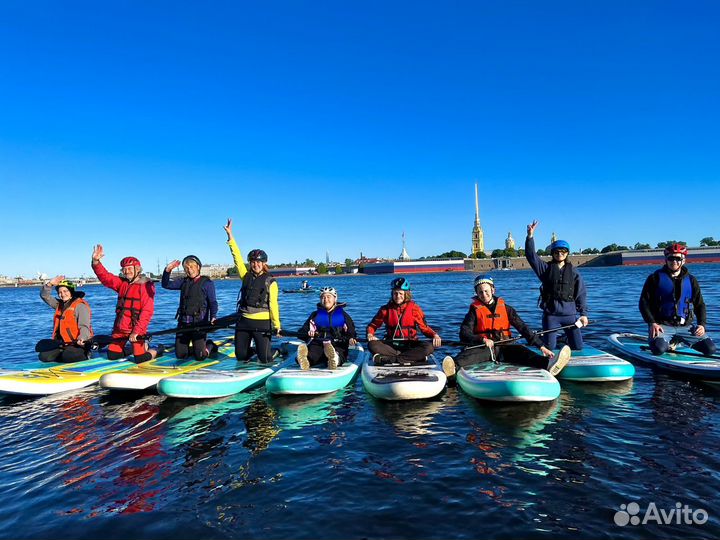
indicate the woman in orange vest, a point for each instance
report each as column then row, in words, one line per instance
column 402, row 319
column 490, row 319
column 72, row 327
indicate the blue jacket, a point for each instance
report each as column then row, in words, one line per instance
column 557, row 307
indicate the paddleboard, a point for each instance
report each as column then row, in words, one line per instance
column 398, row 382
column 225, row 378
column 147, row 374
column 683, row 360
column 301, row 291
column 59, row 378
column 293, row 380
column 595, row 365
column 506, row 382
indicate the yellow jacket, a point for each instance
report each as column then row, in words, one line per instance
column 274, row 313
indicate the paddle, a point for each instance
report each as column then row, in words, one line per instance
column 576, row 324
column 222, row 322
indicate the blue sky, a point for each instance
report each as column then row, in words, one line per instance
column 334, row 126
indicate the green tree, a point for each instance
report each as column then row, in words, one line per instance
column 452, row 254
column 348, row 264
column 232, row 271
column 497, row 253
column 542, row 252
column 590, row 251
column 511, row 252
column 638, row 245
column 308, row 262
column 339, row 269
column 667, row 243
column 322, row 268
column 709, row 241
column 480, row 255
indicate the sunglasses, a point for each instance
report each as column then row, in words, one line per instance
column 675, row 258
column 560, row 251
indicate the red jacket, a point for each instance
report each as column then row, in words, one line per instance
column 136, row 301
column 401, row 321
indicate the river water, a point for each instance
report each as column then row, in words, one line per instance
column 91, row 464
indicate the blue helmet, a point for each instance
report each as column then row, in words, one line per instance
column 483, row 278
column 559, row 244
column 400, row 283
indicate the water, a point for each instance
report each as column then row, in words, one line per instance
column 91, row 464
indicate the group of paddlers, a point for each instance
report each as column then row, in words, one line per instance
column 671, row 304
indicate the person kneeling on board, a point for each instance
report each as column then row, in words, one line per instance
column 402, row 319
column 72, row 329
column 198, row 306
column 330, row 332
column 670, row 301
column 488, row 321
column 134, row 308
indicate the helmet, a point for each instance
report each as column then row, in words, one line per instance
column 65, row 283
column 257, row 255
column 400, row 283
column 676, row 248
column 130, row 261
column 192, row 258
column 328, row 290
column 483, row 278
column 559, row 244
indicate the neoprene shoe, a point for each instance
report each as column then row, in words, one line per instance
column 448, row 366
column 302, row 356
column 561, row 360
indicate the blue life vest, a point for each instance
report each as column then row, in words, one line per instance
column 671, row 310
column 326, row 322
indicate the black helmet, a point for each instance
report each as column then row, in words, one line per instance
column 400, row 283
column 257, row 255
column 192, row 258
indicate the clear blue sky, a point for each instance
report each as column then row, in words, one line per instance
column 335, row 126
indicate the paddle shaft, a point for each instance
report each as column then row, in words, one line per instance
column 510, row 340
column 222, row 322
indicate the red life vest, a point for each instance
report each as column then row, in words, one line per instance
column 129, row 304
column 492, row 325
column 65, row 326
column 401, row 322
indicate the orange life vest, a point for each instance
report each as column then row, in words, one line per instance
column 401, row 324
column 492, row 325
column 65, row 325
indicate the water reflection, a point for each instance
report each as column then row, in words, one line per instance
column 411, row 418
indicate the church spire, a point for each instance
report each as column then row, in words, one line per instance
column 478, row 242
column 404, row 255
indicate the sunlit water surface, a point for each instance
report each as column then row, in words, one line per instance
column 91, row 464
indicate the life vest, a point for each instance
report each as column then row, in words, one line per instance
column 672, row 310
column 255, row 292
column 329, row 324
column 557, row 284
column 193, row 300
column 401, row 322
column 492, row 325
column 129, row 302
column 65, row 326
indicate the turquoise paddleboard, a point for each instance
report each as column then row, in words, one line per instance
column 594, row 365
column 226, row 378
column 293, row 380
column 683, row 360
column 506, row 382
